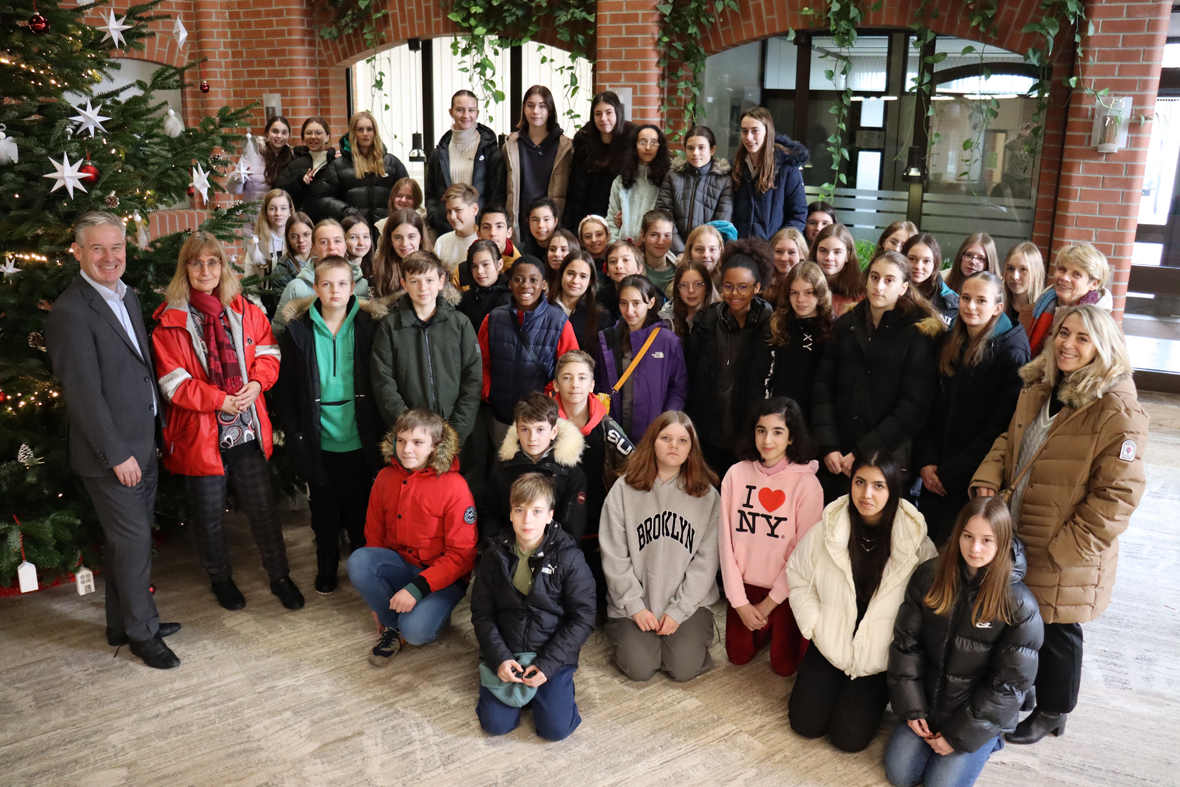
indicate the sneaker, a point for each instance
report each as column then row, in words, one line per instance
column 287, row 592
column 386, row 648
column 325, row 583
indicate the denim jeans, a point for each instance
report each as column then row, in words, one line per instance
column 555, row 714
column 378, row 573
column 909, row 760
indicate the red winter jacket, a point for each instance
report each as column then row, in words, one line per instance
column 191, row 445
column 426, row 516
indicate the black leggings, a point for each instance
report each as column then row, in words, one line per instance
column 825, row 701
column 341, row 504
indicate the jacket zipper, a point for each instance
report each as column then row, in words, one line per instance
column 430, row 370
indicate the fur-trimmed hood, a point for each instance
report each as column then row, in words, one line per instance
column 1076, row 390
column 720, row 166
column 442, row 458
column 450, row 293
column 297, row 307
column 567, row 448
column 931, row 326
column 790, row 153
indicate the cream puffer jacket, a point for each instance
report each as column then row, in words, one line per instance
column 823, row 595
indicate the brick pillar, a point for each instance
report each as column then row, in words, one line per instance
column 626, row 54
column 1099, row 196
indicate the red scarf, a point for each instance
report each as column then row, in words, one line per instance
column 220, row 354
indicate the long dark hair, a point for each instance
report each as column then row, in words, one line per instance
column 347, row 223
column 588, row 299
column 995, row 600
column 656, row 170
column 599, row 154
column 680, row 324
column 546, row 96
column 801, row 449
column 763, row 160
column 276, row 162
column 930, row 287
column 912, row 303
column 850, row 281
column 386, row 270
column 869, row 566
column 959, row 349
column 649, row 292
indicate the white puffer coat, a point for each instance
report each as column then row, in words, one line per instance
column 823, row 595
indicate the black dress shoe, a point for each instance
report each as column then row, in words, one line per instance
column 1037, row 726
column 118, row 638
column 288, row 594
column 228, row 594
column 155, row 653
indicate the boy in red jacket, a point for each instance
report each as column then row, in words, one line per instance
column 420, row 535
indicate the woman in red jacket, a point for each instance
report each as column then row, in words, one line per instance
column 215, row 355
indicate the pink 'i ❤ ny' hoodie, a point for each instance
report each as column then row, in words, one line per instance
column 765, row 512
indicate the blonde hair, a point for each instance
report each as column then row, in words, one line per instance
column 200, row 242
column 695, row 235
column 1111, row 361
column 1092, row 262
column 374, row 162
column 792, row 234
column 262, row 229
column 1036, row 269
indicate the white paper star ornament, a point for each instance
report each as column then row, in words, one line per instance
column 66, row 175
column 179, row 33
column 89, row 119
column 201, row 181
column 114, row 30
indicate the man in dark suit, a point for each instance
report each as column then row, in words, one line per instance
column 101, row 353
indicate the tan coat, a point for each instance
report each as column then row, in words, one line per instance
column 558, row 181
column 1082, row 488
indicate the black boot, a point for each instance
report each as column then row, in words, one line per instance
column 326, row 568
column 1030, row 701
column 1037, row 726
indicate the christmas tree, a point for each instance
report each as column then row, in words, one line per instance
column 64, row 150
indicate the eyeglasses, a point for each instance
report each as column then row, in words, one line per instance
column 196, row 265
column 647, row 143
column 969, row 257
column 741, row 289
column 690, row 285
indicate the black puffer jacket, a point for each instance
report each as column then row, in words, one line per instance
column 478, row 301
column 554, row 620
column 488, row 176
column 967, row 680
column 972, row 408
column 796, row 363
column 696, row 196
column 729, row 370
column 296, row 395
column 589, row 187
column 761, row 214
column 873, row 391
column 290, row 180
column 344, row 194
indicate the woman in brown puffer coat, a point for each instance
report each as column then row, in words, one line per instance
column 1072, row 462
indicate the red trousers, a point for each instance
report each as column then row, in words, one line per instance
column 787, row 645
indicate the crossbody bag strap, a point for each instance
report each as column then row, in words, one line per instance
column 635, row 361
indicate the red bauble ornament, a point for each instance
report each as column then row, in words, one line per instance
column 39, row 24
column 89, row 174
column 190, row 191
column 204, row 86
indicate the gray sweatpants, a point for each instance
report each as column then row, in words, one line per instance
column 681, row 656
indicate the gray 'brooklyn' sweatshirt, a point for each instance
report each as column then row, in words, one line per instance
column 659, row 550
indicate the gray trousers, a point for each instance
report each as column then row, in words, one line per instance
column 125, row 514
column 681, row 656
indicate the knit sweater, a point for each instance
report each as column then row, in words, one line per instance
column 659, row 550
column 765, row 512
column 633, row 202
column 462, row 148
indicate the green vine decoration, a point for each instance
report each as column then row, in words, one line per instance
column 680, row 42
column 348, row 16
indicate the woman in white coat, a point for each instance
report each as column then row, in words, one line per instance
column 848, row 578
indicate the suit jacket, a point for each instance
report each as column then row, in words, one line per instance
column 109, row 388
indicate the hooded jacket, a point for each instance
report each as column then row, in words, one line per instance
column 297, row 394
column 290, row 180
column 303, row 286
column 660, row 381
column 191, row 439
column 765, row 513
column 761, row 214
column 559, row 463
column 558, row 179
column 427, row 516
column 556, row 617
column 873, row 391
column 604, row 458
column 823, row 592
column 696, row 196
column 1082, row 488
column 659, row 550
column 342, row 193
column 971, row 409
column 436, row 366
column 589, row 187
column 967, row 680
column 488, row 176
column 729, row 370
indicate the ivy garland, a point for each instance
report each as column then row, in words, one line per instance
column 680, row 42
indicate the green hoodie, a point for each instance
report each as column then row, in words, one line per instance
column 303, row 286
column 338, row 430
